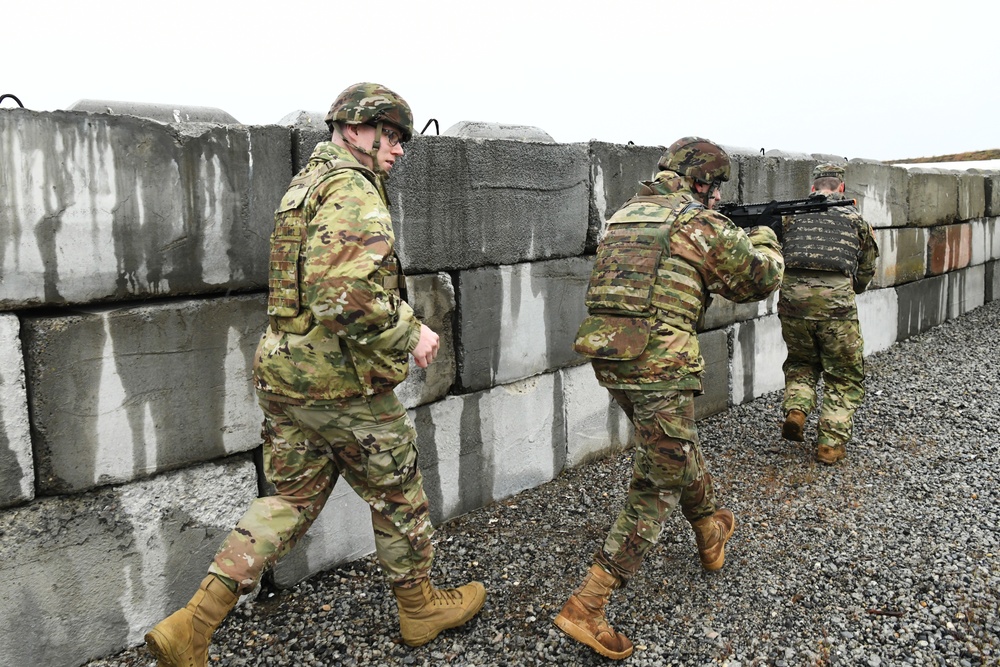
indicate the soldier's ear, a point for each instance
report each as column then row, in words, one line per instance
column 842, row 187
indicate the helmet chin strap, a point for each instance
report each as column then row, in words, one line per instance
column 372, row 152
column 376, row 167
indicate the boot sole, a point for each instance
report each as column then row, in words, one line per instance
column 468, row 616
column 157, row 648
column 791, row 431
column 584, row 637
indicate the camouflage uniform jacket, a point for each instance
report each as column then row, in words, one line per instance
column 829, row 295
column 338, row 327
column 703, row 253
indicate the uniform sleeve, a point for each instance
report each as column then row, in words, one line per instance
column 867, row 254
column 734, row 265
column 349, row 237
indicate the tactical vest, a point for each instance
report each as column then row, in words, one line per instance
column 632, row 259
column 284, row 304
column 823, row 241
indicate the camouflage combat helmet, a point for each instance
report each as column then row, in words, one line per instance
column 828, row 170
column 699, row 159
column 370, row 104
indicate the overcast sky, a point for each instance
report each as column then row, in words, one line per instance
column 874, row 78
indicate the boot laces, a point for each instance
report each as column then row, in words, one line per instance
column 446, row 596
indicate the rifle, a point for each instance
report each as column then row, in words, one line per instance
column 770, row 213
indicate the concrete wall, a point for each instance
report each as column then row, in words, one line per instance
column 132, row 270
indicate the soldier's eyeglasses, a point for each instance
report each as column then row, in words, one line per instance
column 392, row 136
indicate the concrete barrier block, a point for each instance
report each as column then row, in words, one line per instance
column 949, row 248
column 991, row 281
column 86, row 575
column 971, row 196
column 433, row 299
column 776, row 175
column 122, row 393
column 933, row 197
column 518, row 321
column 902, row 256
column 881, row 191
column 163, row 113
column 17, row 469
column 103, row 208
column 985, row 240
column 489, row 445
column 341, row 533
column 722, row 312
column 878, row 314
column 455, row 465
column 966, row 290
column 595, row 425
column 758, row 352
column 991, row 193
column 464, row 203
column 306, row 133
column 922, row 305
column 715, row 381
column 472, row 129
column 615, row 173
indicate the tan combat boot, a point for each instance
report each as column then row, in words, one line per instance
column 181, row 639
column 711, row 534
column 424, row 611
column 830, row 454
column 582, row 617
column 794, row 423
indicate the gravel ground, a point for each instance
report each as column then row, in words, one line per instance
column 889, row 558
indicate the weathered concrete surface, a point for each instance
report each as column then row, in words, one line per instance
column 518, row 321
column 971, row 196
column 162, row 113
column 117, row 394
column 881, row 191
column 755, row 364
column 459, row 203
column 99, row 208
column 86, row 574
column 922, row 305
column 595, row 425
column 991, row 280
column 966, row 290
column 433, row 299
column 17, row 470
column 776, row 175
column 933, row 197
column 985, row 240
column 991, row 193
column 615, row 173
column 902, row 256
column 878, row 314
column 949, row 248
column 472, row 129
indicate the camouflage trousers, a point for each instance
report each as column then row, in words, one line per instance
column 371, row 443
column 668, row 470
column 834, row 350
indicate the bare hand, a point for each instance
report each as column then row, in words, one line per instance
column 427, row 347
